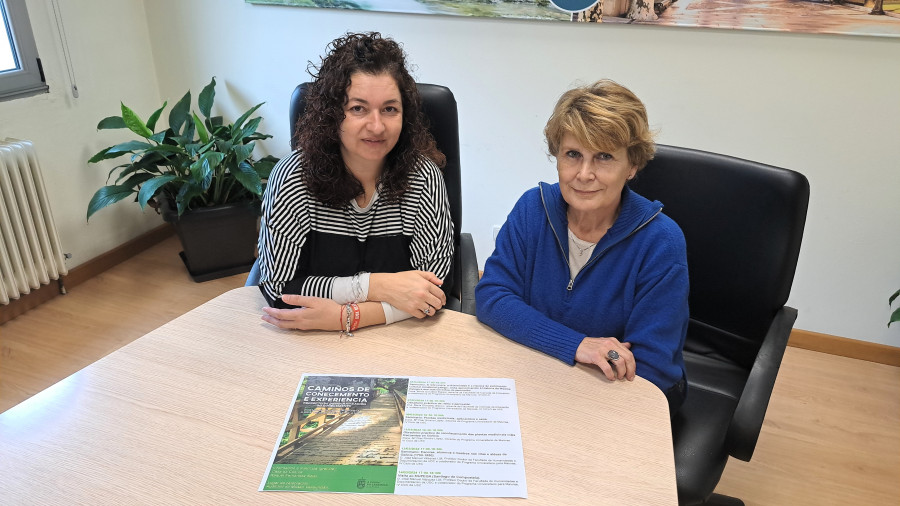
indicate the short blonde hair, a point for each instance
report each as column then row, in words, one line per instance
column 603, row 116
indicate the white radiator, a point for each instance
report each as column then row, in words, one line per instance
column 30, row 254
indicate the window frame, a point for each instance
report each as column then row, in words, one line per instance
column 28, row 79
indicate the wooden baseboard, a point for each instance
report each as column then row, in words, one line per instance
column 851, row 348
column 30, row 301
column 117, row 255
column 85, row 271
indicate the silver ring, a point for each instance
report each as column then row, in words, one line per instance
column 612, row 355
column 427, row 311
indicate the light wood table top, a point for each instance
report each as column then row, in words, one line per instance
column 189, row 414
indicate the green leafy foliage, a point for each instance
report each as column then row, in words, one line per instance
column 180, row 112
column 134, row 123
column 151, row 123
column 196, row 161
column 206, row 98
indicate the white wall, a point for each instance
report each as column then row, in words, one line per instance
column 112, row 62
column 824, row 105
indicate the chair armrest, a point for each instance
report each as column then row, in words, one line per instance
column 468, row 263
column 746, row 424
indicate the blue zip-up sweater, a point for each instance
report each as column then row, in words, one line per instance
column 633, row 288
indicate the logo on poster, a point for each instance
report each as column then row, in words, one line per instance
column 573, row 5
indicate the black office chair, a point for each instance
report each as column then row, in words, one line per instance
column 439, row 106
column 743, row 223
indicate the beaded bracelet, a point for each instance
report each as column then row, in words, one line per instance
column 347, row 329
column 349, row 319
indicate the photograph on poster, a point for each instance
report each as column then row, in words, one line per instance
column 849, row 17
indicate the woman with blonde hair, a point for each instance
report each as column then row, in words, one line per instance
column 586, row 270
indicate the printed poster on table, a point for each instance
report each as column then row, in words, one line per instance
column 400, row 435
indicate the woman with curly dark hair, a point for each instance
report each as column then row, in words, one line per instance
column 356, row 226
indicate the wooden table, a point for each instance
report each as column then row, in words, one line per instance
column 189, row 414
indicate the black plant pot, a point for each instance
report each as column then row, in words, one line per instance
column 218, row 241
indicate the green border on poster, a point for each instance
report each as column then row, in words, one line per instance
column 332, row 478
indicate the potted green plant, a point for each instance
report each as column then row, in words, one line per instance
column 199, row 174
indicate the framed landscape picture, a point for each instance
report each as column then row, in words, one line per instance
column 849, row 17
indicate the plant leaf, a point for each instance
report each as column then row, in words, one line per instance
column 152, row 161
column 118, row 167
column 203, row 170
column 136, row 180
column 201, row 130
column 102, row 155
column 107, row 195
column 126, row 171
column 151, row 122
column 265, row 165
column 180, row 113
column 111, row 122
column 193, row 149
column 200, row 171
column 248, row 177
column 206, row 147
column 257, row 137
column 206, row 98
column 134, row 123
column 135, row 174
column 895, row 316
column 189, row 129
column 240, row 121
column 184, row 141
column 251, row 127
column 159, row 137
column 129, row 147
column 224, row 146
column 891, row 300
column 151, row 186
column 222, row 133
column 243, row 151
column 187, row 193
column 166, row 148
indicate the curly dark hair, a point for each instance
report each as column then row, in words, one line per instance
column 317, row 131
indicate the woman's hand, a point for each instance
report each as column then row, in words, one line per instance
column 316, row 314
column 594, row 350
column 416, row 292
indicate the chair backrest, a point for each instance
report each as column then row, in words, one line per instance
column 743, row 224
column 439, row 107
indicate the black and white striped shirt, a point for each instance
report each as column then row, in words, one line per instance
column 305, row 245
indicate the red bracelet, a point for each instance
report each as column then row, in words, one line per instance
column 355, row 324
column 341, row 320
